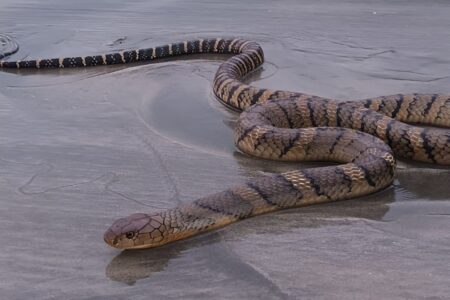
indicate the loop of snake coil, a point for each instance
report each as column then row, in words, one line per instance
column 362, row 135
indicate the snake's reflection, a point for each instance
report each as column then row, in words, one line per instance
column 132, row 265
column 424, row 183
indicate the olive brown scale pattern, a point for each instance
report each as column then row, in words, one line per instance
column 362, row 135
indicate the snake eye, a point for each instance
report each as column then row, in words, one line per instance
column 129, row 235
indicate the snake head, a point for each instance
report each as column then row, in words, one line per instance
column 137, row 231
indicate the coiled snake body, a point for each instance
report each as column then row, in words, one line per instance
column 362, row 135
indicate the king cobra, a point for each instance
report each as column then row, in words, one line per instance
column 362, row 136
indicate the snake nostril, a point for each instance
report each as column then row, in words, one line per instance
column 115, row 242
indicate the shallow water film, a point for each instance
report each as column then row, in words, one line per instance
column 80, row 148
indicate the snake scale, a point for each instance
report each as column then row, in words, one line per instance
column 363, row 136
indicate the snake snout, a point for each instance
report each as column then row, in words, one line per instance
column 111, row 238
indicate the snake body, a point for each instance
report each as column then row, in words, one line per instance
column 363, row 136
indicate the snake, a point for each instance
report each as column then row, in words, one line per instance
column 360, row 139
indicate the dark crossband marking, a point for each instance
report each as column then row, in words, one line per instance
column 261, row 193
column 262, row 138
column 239, row 94
column 429, row 105
column 308, row 173
column 286, row 114
column 366, row 175
column 336, row 141
column 440, row 112
column 368, row 103
column 410, row 109
column 372, row 121
column 227, row 203
column 428, row 147
column 389, row 137
column 366, row 113
column 291, row 144
column 338, row 116
column 398, row 105
column 232, row 94
column 146, row 54
column 323, row 107
column 245, row 133
column 265, row 117
column 346, row 179
column 258, row 95
column 286, row 179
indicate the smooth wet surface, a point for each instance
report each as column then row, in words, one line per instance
column 81, row 148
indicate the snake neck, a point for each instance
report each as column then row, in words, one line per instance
column 275, row 192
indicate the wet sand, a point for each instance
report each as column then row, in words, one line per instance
column 80, row 148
